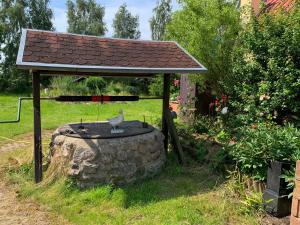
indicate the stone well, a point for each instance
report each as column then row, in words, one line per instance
column 93, row 156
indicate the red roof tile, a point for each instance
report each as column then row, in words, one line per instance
column 46, row 50
column 272, row 5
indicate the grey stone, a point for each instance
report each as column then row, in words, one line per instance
column 117, row 161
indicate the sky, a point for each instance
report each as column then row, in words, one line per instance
column 142, row 8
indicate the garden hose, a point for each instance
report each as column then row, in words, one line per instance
column 20, row 108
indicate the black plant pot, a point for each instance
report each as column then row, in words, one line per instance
column 275, row 196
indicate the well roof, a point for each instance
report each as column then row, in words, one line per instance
column 54, row 51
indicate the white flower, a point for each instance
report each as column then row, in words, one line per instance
column 224, row 110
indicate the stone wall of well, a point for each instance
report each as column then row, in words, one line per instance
column 109, row 161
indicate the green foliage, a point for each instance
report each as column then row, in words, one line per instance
column 40, row 15
column 201, row 151
column 223, row 136
column 251, row 202
column 289, row 178
column 15, row 15
column 86, row 17
column 266, row 70
column 207, row 29
column 96, row 85
column 156, row 86
column 125, row 24
column 202, row 124
column 65, row 85
column 221, row 161
column 114, row 88
column 25, row 170
column 258, row 146
column 157, row 83
column 158, row 22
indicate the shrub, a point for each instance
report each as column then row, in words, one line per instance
column 202, row 124
column 221, row 161
column 156, row 86
column 127, row 85
column 263, row 143
column 157, row 83
column 201, row 151
column 133, row 90
column 114, row 88
column 96, row 85
column 65, row 85
column 266, row 68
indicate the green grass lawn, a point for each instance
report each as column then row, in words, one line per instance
column 54, row 114
column 179, row 195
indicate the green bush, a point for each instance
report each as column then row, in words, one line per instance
column 114, row 88
column 202, row 124
column 65, row 85
column 221, row 161
column 127, row 85
column 266, row 71
column 96, row 85
column 260, row 145
column 156, row 86
column 133, row 90
column 201, row 151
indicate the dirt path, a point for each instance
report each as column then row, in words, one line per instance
column 16, row 211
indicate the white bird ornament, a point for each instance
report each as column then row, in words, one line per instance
column 115, row 121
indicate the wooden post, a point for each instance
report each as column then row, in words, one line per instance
column 295, row 212
column 174, row 137
column 166, row 100
column 37, row 127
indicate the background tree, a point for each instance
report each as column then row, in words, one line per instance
column 162, row 15
column 40, row 15
column 86, row 17
column 208, row 30
column 15, row 15
column 125, row 24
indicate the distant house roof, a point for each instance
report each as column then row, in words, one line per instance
column 53, row 51
column 272, row 5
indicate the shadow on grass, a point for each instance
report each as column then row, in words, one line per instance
column 175, row 181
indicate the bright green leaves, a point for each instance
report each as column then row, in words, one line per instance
column 125, row 24
column 86, row 17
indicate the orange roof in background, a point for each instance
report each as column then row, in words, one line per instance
column 272, row 5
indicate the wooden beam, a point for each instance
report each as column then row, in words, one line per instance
column 174, row 136
column 87, row 74
column 166, row 100
column 37, row 127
